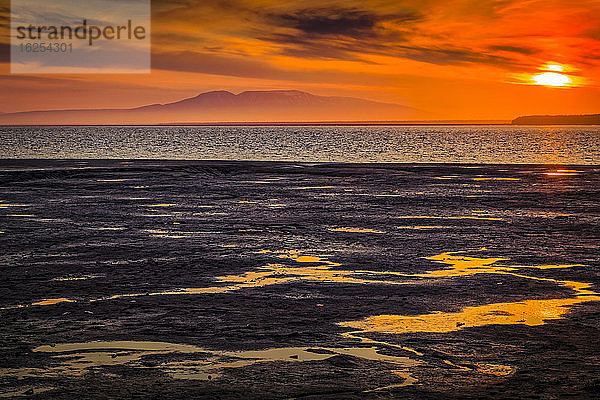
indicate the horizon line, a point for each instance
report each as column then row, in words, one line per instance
column 296, row 123
column 310, row 123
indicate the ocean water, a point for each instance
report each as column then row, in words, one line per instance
column 401, row 144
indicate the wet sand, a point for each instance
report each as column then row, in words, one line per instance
column 290, row 280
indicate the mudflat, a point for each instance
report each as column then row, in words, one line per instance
column 186, row 279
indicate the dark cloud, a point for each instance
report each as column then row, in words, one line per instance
column 350, row 30
column 355, row 50
column 514, row 49
column 353, row 23
column 350, row 34
column 336, row 33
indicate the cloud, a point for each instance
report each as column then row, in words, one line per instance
column 244, row 67
column 357, row 51
column 514, row 49
column 438, row 32
column 324, row 49
column 593, row 33
column 411, row 30
column 284, row 39
column 451, row 56
column 209, row 63
column 352, row 49
column 350, row 22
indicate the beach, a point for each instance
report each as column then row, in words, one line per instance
column 257, row 279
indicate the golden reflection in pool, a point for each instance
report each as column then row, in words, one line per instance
column 164, row 234
column 527, row 312
column 476, row 217
column 562, row 172
column 273, row 274
column 313, row 187
column 27, row 391
column 295, row 255
column 461, row 266
column 495, row 369
column 464, row 266
column 77, row 359
column 7, row 205
column 50, row 302
column 495, row 179
column 421, row 227
column 278, row 205
column 355, row 230
column 320, row 269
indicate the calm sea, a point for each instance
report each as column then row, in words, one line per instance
column 447, row 144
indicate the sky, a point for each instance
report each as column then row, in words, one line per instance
column 448, row 59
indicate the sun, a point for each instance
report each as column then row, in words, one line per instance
column 552, row 79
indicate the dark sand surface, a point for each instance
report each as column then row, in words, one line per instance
column 167, row 279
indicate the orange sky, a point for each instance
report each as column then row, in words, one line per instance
column 450, row 59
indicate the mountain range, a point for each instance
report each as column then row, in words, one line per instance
column 224, row 106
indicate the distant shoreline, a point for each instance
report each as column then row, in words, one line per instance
column 576, row 120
